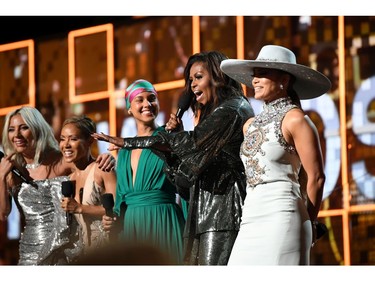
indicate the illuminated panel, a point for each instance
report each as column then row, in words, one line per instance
column 344, row 152
column 240, row 37
column 196, row 35
column 240, row 29
column 73, row 36
column 196, row 49
column 24, row 61
column 169, row 85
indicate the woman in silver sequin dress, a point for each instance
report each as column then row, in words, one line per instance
column 278, row 213
column 30, row 147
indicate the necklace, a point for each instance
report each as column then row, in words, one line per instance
column 32, row 166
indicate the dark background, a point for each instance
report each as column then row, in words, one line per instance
column 17, row 28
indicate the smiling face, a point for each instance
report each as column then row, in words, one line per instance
column 73, row 145
column 21, row 136
column 267, row 84
column 200, row 83
column 145, row 107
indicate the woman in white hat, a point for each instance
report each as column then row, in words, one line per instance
column 279, row 212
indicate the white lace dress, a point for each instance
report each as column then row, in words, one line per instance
column 275, row 227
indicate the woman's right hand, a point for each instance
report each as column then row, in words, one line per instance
column 174, row 124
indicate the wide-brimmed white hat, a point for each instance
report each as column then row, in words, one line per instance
column 309, row 83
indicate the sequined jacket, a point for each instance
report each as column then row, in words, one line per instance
column 205, row 166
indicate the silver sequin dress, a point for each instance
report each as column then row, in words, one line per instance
column 46, row 239
column 275, row 227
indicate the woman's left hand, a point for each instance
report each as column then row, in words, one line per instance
column 70, row 205
column 116, row 142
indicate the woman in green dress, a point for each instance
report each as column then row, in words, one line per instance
column 152, row 217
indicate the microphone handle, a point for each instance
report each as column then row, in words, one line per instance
column 109, row 213
column 179, row 113
column 68, row 218
column 18, row 174
column 15, row 170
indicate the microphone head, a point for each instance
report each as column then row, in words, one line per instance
column 185, row 101
column 1, row 154
column 108, row 201
column 67, row 188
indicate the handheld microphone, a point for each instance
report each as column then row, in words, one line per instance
column 108, row 203
column 16, row 171
column 184, row 103
column 68, row 191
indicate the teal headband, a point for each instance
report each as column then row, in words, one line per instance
column 136, row 88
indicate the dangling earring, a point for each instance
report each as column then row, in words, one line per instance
column 281, row 86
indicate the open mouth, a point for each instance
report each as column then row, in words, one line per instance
column 20, row 143
column 68, row 153
column 147, row 112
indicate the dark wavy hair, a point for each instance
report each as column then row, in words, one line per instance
column 222, row 86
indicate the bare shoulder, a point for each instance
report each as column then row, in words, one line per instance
column 297, row 123
column 247, row 124
column 105, row 179
column 294, row 117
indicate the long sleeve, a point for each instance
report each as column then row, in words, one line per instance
column 216, row 139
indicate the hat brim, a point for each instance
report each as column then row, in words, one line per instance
column 309, row 83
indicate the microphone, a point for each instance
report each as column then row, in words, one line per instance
column 68, row 191
column 108, row 203
column 184, row 103
column 16, row 171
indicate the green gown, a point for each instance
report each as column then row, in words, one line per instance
column 152, row 216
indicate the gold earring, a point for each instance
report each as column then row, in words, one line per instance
column 129, row 112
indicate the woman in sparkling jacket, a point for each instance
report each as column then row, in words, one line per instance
column 204, row 163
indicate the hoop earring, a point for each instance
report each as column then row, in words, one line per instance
column 129, row 112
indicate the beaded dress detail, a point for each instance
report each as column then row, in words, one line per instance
column 267, row 122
